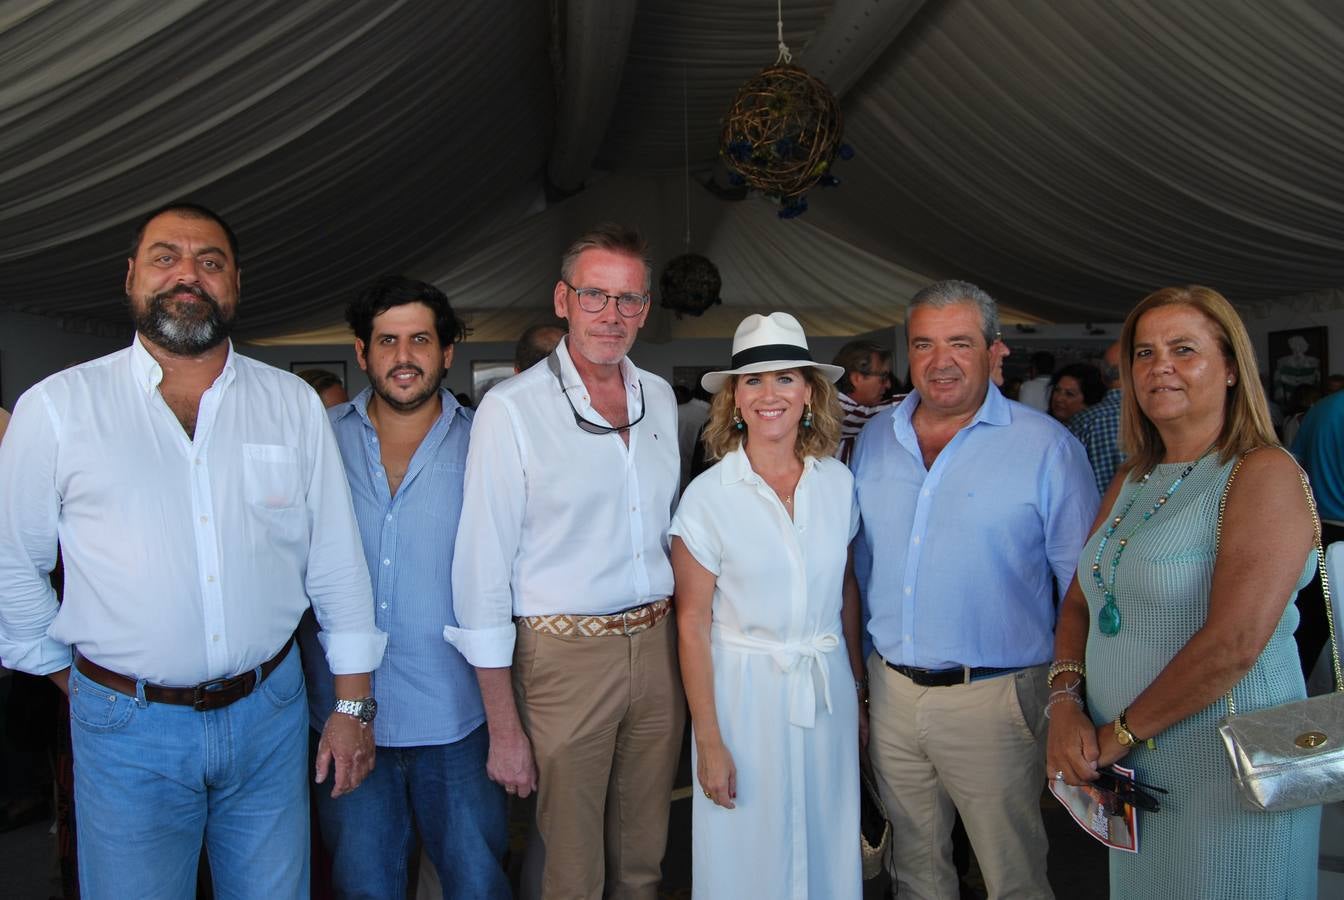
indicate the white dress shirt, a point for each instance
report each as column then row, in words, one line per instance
column 185, row 559
column 557, row 520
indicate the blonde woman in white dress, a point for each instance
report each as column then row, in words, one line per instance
column 768, row 623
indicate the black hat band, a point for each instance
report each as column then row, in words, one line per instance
column 771, row 353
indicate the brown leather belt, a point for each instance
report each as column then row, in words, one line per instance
column 630, row 621
column 205, row 696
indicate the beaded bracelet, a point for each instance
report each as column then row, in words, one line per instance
column 1060, row 666
column 1064, row 695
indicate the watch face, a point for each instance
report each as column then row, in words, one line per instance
column 369, row 711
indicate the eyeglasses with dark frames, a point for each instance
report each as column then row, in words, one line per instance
column 586, row 425
column 594, row 301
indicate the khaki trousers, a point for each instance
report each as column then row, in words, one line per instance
column 605, row 716
column 976, row 748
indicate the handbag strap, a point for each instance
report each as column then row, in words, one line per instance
column 1320, row 563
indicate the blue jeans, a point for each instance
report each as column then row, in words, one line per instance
column 153, row 781
column 462, row 816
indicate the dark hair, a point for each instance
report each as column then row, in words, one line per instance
column 1043, row 362
column 1089, row 379
column 857, row 356
column 394, row 290
column 533, row 346
column 320, row 379
column 188, row 210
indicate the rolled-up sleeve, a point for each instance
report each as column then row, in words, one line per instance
column 337, row 578
column 1070, row 502
column 494, row 502
column 28, row 538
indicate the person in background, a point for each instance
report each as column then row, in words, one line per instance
column 862, row 389
column 173, row 638
column 1073, row 389
column 691, row 416
column 1303, row 397
column 974, row 510
column 404, row 442
column 1319, row 447
column 327, row 385
column 1166, row 617
column 1035, row 391
column 759, row 550
column 561, row 566
column 1098, row 426
column 1334, row 382
column 4, row 423
column 535, row 344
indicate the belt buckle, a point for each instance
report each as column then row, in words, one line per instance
column 208, row 690
column 625, row 619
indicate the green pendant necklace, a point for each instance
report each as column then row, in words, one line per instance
column 1108, row 618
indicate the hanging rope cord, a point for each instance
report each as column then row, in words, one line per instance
column 784, row 55
column 686, row 154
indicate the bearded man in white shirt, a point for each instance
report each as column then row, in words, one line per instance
column 571, row 477
column 200, row 503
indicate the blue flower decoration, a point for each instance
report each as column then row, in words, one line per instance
column 846, row 151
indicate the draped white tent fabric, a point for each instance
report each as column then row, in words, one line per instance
column 1067, row 156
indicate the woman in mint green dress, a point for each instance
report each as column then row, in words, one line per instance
column 1164, row 624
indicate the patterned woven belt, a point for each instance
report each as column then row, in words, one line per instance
column 630, row 621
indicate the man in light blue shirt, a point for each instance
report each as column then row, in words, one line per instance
column 404, row 445
column 975, row 509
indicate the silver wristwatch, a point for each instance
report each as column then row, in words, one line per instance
column 364, row 709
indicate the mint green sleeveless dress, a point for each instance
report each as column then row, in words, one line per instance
column 1203, row 843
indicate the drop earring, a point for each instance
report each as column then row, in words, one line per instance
column 737, row 420
column 807, row 416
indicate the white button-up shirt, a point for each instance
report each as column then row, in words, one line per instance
column 557, row 520
column 185, row 559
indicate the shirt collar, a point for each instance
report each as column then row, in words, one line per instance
column 569, row 375
column 995, row 410
column 148, row 373
column 735, row 467
column 359, row 406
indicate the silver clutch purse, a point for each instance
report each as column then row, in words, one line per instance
column 1292, row 755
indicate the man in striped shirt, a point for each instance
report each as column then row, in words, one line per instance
column 862, row 389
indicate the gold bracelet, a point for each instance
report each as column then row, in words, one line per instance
column 1060, row 666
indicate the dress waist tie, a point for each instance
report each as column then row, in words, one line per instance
column 801, row 662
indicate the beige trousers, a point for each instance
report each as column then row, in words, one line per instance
column 605, row 716
column 976, row 748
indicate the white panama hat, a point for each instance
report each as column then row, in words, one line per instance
column 768, row 344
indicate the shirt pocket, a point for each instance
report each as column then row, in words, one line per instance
column 271, row 476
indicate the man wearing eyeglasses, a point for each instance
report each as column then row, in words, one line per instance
column 561, row 582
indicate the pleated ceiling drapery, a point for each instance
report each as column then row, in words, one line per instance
column 1068, row 156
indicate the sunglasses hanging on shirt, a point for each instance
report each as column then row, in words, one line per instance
column 586, row 425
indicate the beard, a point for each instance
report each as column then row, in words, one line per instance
column 186, row 330
column 384, row 387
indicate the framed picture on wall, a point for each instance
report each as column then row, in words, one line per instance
column 1297, row 357
column 486, row 373
column 333, row 367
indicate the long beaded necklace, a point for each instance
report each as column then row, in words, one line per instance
column 1108, row 618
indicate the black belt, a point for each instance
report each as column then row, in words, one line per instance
column 948, row 677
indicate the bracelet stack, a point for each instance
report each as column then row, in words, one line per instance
column 1073, row 693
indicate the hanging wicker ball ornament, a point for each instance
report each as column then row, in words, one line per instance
column 782, row 132
column 690, row 285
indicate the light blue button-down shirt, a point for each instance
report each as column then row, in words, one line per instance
column 962, row 554
column 427, row 693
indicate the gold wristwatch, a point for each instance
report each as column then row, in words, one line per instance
column 1123, row 736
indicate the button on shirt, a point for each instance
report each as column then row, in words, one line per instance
column 185, row 559
column 554, row 519
column 427, row 693
column 962, row 554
